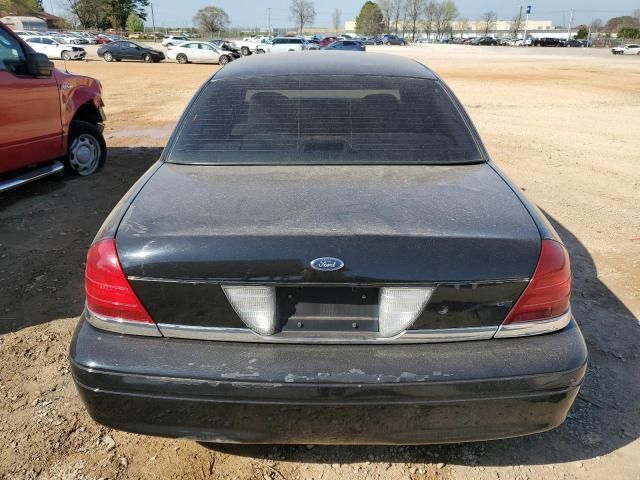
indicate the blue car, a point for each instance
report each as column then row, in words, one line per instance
column 345, row 45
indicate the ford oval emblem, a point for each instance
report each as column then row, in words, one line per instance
column 327, row 264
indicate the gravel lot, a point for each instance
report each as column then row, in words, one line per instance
column 563, row 123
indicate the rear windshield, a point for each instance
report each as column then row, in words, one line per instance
column 323, row 119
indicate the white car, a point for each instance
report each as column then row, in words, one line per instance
column 628, row 49
column 283, row 44
column 69, row 39
column 251, row 44
column 55, row 47
column 199, row 52
column 172, row 40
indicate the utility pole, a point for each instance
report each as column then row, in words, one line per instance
column 570, row 25
column 153, row 22
column 269, row 21
column 526, row 21
column 518, row 25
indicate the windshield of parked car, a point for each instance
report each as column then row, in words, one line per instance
column 323, row 119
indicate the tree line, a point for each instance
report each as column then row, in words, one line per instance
column 104, row 14
column 395, row 15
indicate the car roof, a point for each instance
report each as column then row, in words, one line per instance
column 326, row 63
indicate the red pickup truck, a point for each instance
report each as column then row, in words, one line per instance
column 49, row 120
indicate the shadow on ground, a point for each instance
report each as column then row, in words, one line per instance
column 46, row 228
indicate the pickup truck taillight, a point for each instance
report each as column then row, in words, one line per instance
column 108, row 291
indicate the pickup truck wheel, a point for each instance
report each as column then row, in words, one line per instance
column 66, row 56
column 107, row 56
column 223, row 60
column 182, row 58
column 245, row 51
column 87, row 149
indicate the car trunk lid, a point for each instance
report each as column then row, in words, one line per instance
column 458, row 229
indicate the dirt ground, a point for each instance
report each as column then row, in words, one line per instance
column 563, row 124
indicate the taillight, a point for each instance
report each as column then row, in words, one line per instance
column 107, row 288
column 548, row 293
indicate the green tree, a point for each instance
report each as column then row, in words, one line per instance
column 20, row 7
column 616, row 23
column 134, row 23
column 583, row 32
column 370, row 21
column 119, row 11
column 629, row 32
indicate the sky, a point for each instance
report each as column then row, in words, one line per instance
column 253, row 13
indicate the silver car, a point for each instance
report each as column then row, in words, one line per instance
column 628, row 49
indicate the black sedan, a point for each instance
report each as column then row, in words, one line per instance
column 127, row 50
column 325, row 253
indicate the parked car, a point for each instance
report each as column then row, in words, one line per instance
column 90, row 37
column 283, row 44
column 628, row 49
column 102, row 39
column 486, row 41
column 346, row 45
column 50, row 119
column 82, row 40
column 54, row 47
column 22, row 33
column 127, row 50
column 415, row 296
column 250, row 45
column 227, row 46
column 572, row 43
column 327, row 41
column 371, row 41
column 393, row 40
column 171, row 40
column 547, row 42
column 199, row 52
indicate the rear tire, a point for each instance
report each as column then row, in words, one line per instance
column 388, row 43
column 87, row 150
column 146, row 58
column 108, row 57
column 245, row 51
column 223, row 60
column 182, row 58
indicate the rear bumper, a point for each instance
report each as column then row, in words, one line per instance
column 387, row 394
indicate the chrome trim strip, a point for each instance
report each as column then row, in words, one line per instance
column 225, row 281
column 248, row 335
column 31, row 176
column 525, row 329
column 119, row 325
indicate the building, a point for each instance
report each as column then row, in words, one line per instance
column 475, row 28
column 24, row 23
